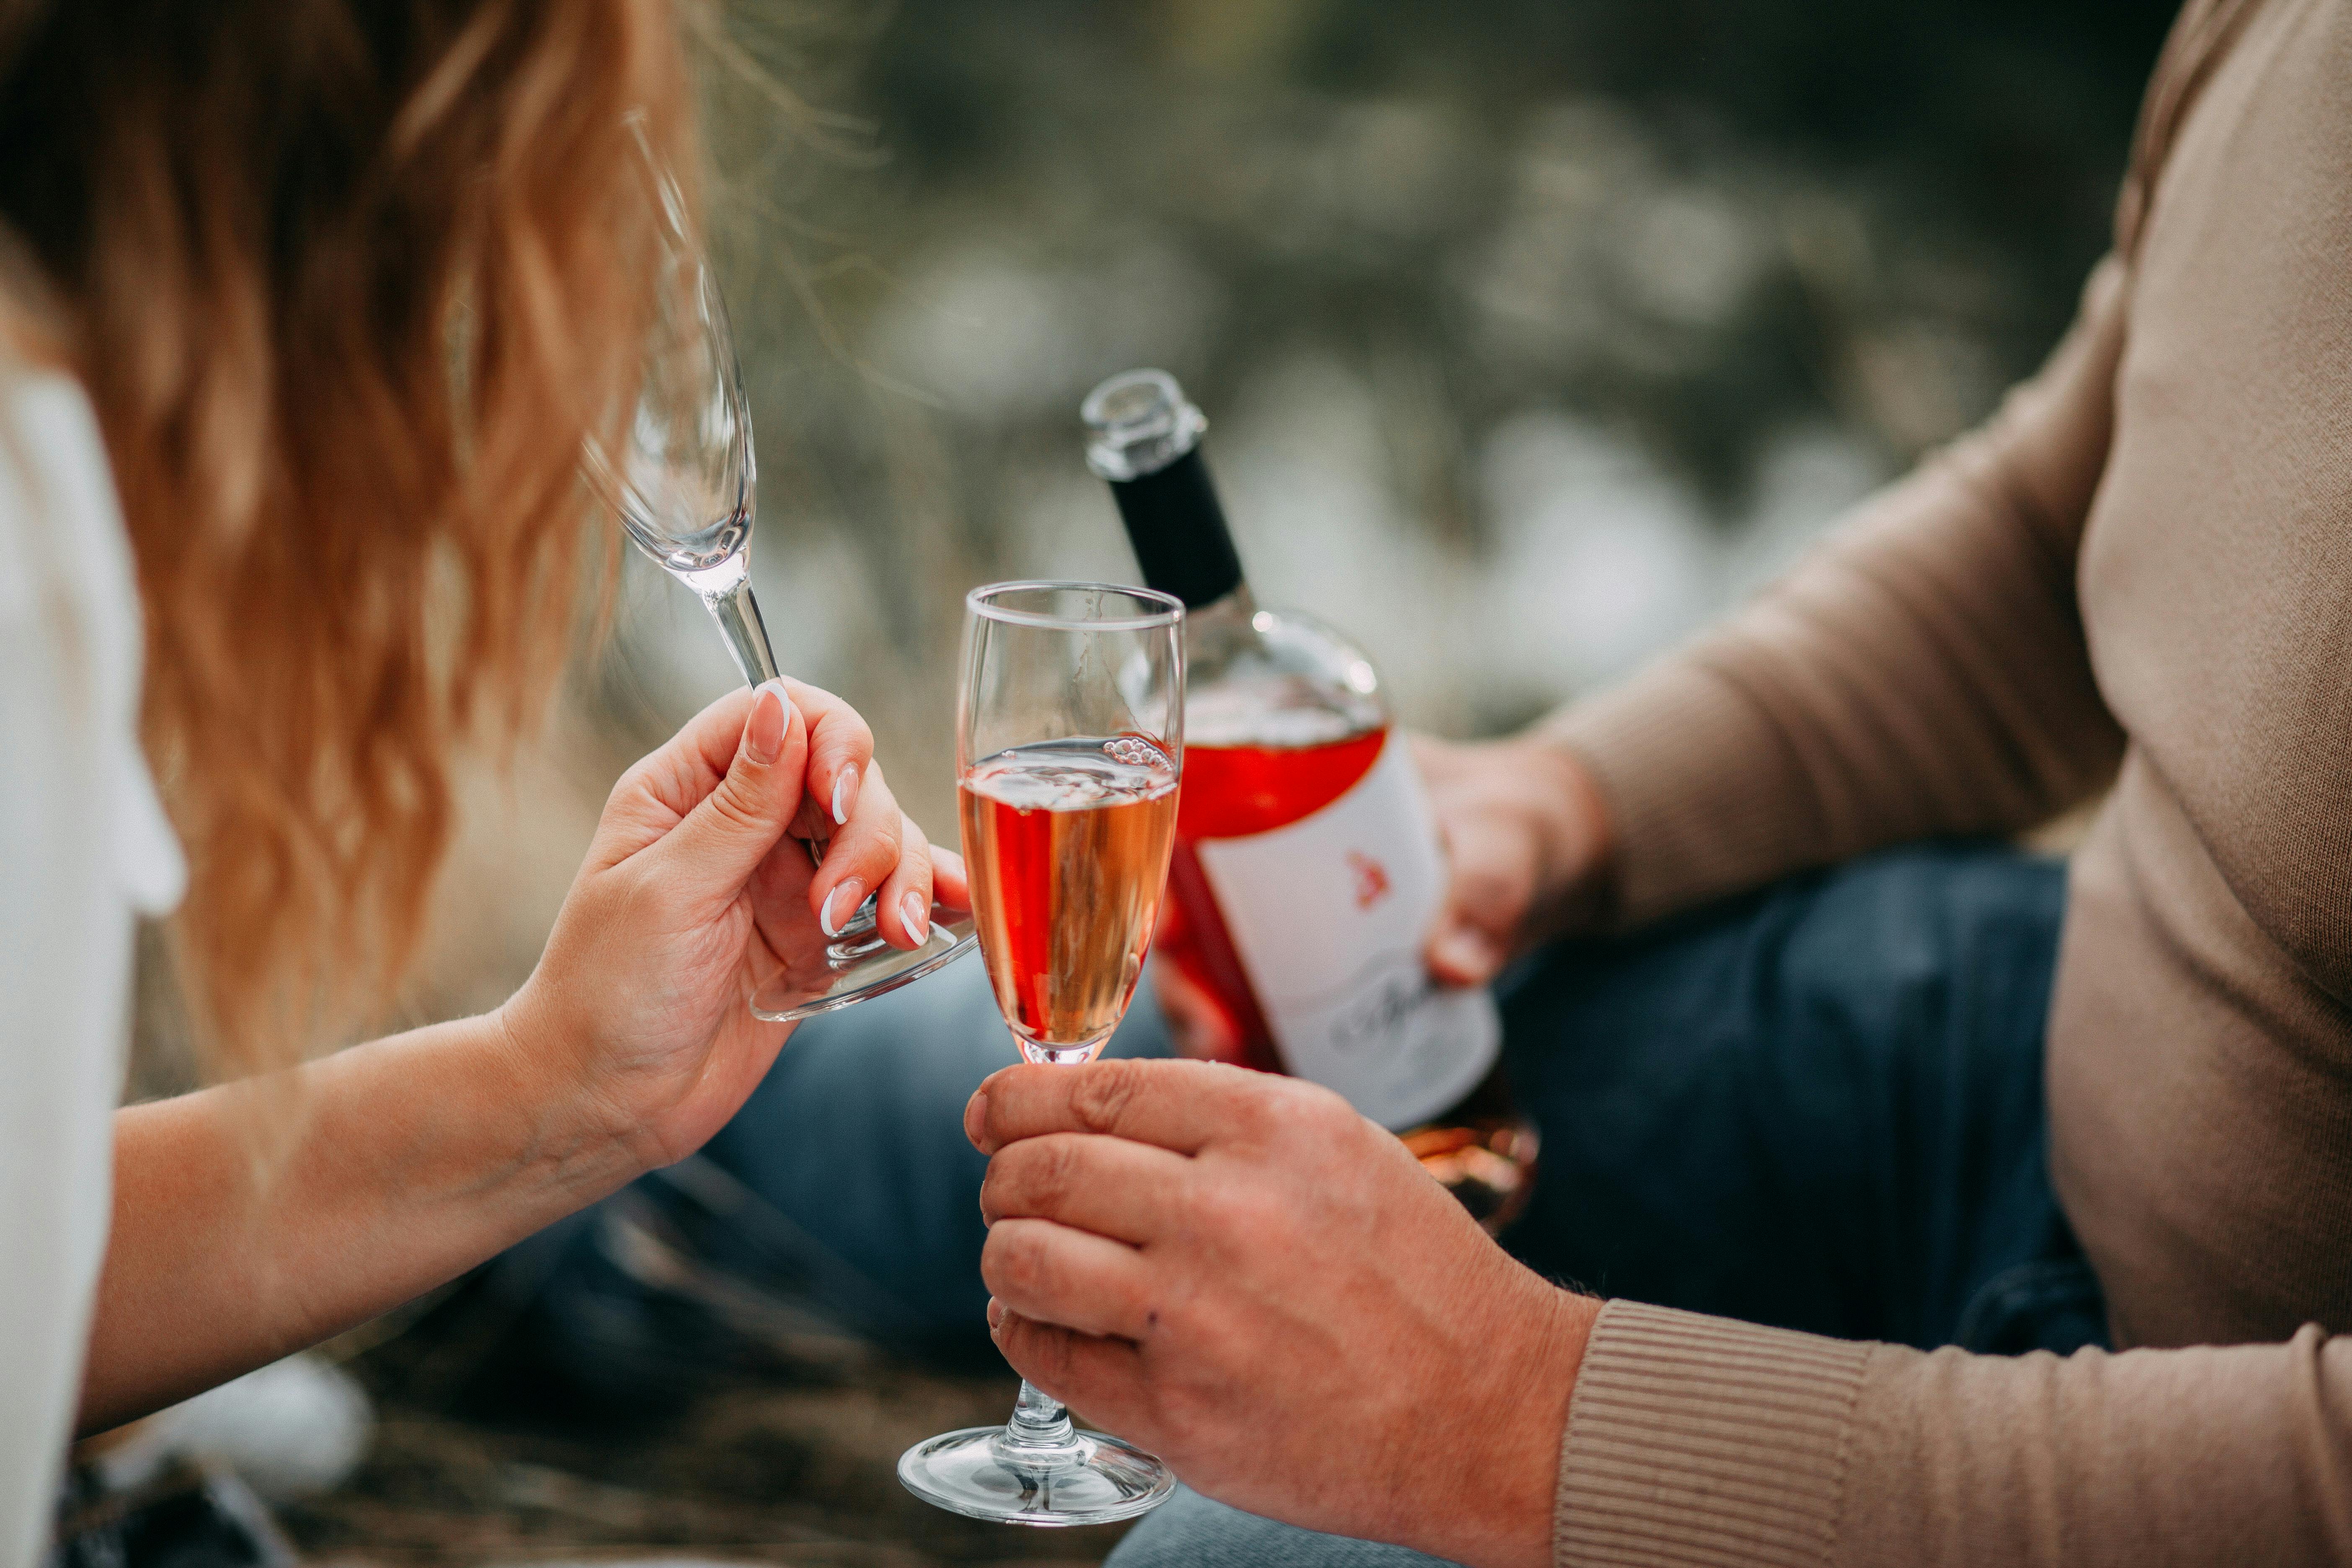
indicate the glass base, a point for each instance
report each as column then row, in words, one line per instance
column 1090, row 1480
column 859, row 964
column 1070, row 1056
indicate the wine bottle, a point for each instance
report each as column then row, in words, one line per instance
column 1306, row 871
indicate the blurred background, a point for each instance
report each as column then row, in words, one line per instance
column 1530, row 333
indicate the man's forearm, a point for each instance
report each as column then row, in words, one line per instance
column 1696, row 1439
column 254, row 1220
column 1502, row 1513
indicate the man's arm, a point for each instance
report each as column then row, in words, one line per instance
column 1922, row 671
column 1703, row 1442
column 1237, row 1271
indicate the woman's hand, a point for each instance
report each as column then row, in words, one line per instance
column 415, row 1157
column 694, row 894
column 1527, row 841
column 1240, row 1274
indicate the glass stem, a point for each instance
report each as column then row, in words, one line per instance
column 737, row 615
column 1039, row 1423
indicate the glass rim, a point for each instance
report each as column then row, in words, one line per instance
column 979, row 602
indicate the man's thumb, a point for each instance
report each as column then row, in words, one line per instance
column 726, row 836
column 1459, row 953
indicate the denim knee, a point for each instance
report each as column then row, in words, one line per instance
column 1191, row 1532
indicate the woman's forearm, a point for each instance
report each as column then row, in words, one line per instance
column 251, row 1220
column 255, row 1219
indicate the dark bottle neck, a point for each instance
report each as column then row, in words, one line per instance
column 1178, row 527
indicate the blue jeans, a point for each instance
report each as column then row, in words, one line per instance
column 844, row 1185
column 1818, row 1107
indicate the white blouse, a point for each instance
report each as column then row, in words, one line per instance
column 84, row 846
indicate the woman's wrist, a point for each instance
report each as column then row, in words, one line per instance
column 580, row 1138
column 404, row 1162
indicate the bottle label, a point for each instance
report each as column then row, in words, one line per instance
column 1328, row 916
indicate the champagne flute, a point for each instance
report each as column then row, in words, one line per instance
column 683, row 484
column 1069, row 740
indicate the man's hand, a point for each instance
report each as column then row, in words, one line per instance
column 1238, row 1272
column 1527, row 839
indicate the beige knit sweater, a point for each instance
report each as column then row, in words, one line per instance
column 2141, row 571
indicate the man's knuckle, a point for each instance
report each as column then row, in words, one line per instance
column 1031, row 1176
column 1227, row 1209
column 1024, row 1265
column 1051, row 1355
column 1319, row 1112
column 1318, row 1101
column 1102, row 1094
column 999, row 1268
column 1056, row 1174
column 1273, row 1108
column 1255, row 1120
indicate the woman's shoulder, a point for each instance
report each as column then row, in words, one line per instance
column 70, row 627
column 60, row 531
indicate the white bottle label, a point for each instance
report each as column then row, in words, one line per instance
column 1328, row 916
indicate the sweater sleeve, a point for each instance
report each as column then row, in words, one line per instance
column 1921, row 671
column 1695, row 1441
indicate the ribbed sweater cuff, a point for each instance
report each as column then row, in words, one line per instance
column 1695, row 1441
column 1702, row 792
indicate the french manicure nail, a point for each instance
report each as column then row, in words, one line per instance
column 772, row 716
column 844, row 796
column 917, row 914
column 831, row 923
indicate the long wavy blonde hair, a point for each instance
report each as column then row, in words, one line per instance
column 347, row 283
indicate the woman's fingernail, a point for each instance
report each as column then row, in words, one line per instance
column 975, row 1116
column 771, row 715
column 844, row 796
column 917, row 915
column 845, row 898
column 995, row 1313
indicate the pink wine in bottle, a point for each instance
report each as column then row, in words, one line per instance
column 1306, row 871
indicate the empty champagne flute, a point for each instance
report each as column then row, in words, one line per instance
column 1069, row 741
column 683, row 484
